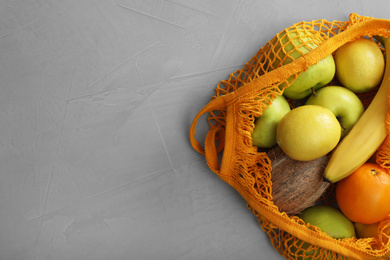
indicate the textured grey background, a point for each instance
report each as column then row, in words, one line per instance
column 96, row 99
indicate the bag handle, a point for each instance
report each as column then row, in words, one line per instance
column 216, row 104
column 211, row 152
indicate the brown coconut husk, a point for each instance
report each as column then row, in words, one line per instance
column 296, row 185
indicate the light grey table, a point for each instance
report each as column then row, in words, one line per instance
column 96, row 100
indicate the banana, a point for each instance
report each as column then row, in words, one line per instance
column 368, row 133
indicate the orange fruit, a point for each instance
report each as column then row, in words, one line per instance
column 364, row 196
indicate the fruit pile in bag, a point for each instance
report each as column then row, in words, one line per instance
column 304, row 129
column 320, row 126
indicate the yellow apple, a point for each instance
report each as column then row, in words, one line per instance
column 359, row 65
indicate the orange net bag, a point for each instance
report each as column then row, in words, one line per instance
column 231, row 114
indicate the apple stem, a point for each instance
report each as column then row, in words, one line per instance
column 313, row 92
column 343, row 127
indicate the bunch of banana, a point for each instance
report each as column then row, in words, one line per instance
column 367, row 134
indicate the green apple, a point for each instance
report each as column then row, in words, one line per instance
column 331, row 221
column 315, row 77
column 264, row 132
column 344, row 104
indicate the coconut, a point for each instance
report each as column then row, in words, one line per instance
column 296, row 185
